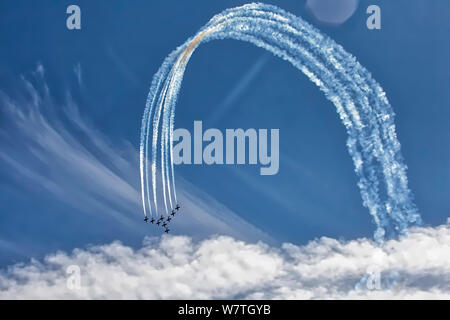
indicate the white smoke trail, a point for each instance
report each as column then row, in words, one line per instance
column 359, row 100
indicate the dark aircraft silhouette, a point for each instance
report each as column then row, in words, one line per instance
column 153, row 220
column 177, row 207
column 164, row 224
column 169, row 219
column 167, row 230
column 146, row 219
column 173, row 213
column 161, row 219
column 158, row 223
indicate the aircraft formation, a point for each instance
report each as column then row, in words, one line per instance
column 162, row 221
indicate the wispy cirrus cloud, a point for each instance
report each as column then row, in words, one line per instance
column 50, row 151
column 221, row 267
column 42, row 144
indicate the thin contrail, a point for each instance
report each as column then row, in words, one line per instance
column 359, row 100
column 228, row 102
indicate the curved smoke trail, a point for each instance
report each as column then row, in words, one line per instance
column 359, row 100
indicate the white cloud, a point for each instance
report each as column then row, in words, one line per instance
column 176, row 267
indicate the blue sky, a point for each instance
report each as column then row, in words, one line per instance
column 120, row 47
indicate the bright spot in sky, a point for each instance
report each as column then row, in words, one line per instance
column 334, row 12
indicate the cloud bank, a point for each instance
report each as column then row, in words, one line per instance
column 221, row 267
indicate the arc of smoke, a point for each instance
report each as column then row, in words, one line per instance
column 359, row 100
